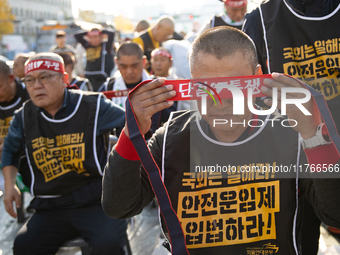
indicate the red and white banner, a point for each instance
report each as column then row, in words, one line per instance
column 194, row 89
column 117, row 93
column 44, row 64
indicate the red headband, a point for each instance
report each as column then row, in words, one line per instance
column 93, row 32
column 44, row 64
column 161, row 53
column 235, row 3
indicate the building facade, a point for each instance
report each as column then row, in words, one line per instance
column 30, row 15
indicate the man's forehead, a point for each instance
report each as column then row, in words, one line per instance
column 203, row 54
column 94, row 36
column 40, row 72
column 160, row 57
column 129, row 60
column 208, row 65
column 167, row 26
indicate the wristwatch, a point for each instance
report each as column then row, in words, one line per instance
column 317, row 140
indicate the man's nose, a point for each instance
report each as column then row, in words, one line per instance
column 129, row 70
column 227, row 102
column 37, row 83
column 239, row 15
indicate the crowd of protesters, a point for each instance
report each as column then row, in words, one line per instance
column 56, row 123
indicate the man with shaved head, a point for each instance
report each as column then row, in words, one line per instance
column 130, row 62
column 224, row 205
column 154, row 36
column 64, row 134
column 19, row 65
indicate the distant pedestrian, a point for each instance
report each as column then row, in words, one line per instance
column 233, row 16
column 61, row 46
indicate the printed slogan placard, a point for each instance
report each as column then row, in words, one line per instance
column 58, row 156
column 229, row 215
column 317, row 65
column 4, row 125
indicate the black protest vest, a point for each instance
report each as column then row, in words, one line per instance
column 218, row 22
column 7, row 111
column 62, row 153
column 80, row 82
column 304, row 47
column 148, row 45
column 99, row 61
column 234, row 212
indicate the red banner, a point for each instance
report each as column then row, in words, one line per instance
column 219, row 88
column 117, row 93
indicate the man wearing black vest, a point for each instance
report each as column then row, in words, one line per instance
column 154, row 36
column 65, row 136
column 12, row 95
column 131, row 62
column 233, row 16
column 99, row 54
column 300, row 38
column 234, row 212
column 295, row 42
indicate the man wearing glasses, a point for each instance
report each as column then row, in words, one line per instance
column 65, row 136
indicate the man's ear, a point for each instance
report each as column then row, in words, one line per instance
column 116, row 61
column 65, row 79
column 258, row 70
column 11, row 78
column 144, row 61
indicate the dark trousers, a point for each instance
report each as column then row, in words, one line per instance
column 46, row 231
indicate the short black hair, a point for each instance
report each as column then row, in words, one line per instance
column 129, row 49
column 68, row 59
column 224, row 41
column 60, row 33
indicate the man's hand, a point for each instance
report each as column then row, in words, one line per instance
column 306, row 124
column 12, row 194
column 148, row 100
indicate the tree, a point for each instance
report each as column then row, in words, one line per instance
column 6, row 19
